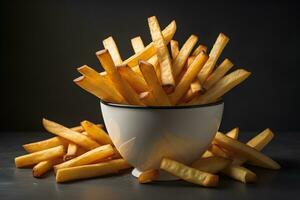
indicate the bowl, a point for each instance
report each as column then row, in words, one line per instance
column 145, row 135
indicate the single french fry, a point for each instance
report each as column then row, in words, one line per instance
column 189, row 174
column 71, row 152
column 148, row 99
column 102, row 81
column 174, row 48
column 222, row 86
column 135, row 80
column 199, row 49
column 181, row 58
column 97, row 90
column 213, row 164
column 214, row 54
column 167, row 79
column 113, row 50
column 96, row 133
column 188, row 77
column 66, row 133
column 240, row 173
column 91, row 156
column 234, row 133
column 36, row 157
column 90, row 171
column 150, row 49
column 43, row 167
column 153, row 84
column 137, row 44
column 207, row 154
column 45, row 144
column 219, row 72
column 258, row 142
column 121, row 85
column 148, row 176
column 246, row 151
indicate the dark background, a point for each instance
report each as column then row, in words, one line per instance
column 42, row 43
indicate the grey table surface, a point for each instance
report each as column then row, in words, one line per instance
column 19, row 183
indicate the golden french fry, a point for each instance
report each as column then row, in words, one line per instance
column 96, row 133
column 214, row 54
column 90, row 171
column 174, row 48
column 189, row 174
column 45, row 144
column 222, row 86
column 135, row 80
column 219, row 72
column 148, row 176
column 121, row 85
column 71, row 152
column 258, row 142
column 207, row 154
column 240, row 173
column 213, row 164
column 189, row 95
column 137, row 44
column 246, row 151
column 103, row 82
column 234, row 133
column 39, row 156
column 91, row 156
column 188, row 77
column 153, row 84
column 113, row 50
column 181, row 58
column 148, row 99
column 199, row 49
column 150, row 49
column 66, row 133
column 164, row 59
column 43, row 167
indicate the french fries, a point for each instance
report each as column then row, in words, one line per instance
column 89, row 157
column 36, row 157
column 222, row 86
column 91, row 171
column 137, row 44
column 122, row 86
column 234, row 133
column 148, row 176
column 174, row 48
column 181, row 58
column 214, row 54
column 188, row 77
column 96, row 133
column 153, row 83
column 245, row 151
column 150, row 49
column 164, row 59
column 199, row 49
column 189, row 174
column 68, row 134
column 113, row 50
column 221, row 70
column 148, row 99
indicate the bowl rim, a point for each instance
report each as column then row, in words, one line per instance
column 161, row 107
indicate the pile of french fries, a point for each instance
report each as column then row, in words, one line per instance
column 155, row 77
column 86, row 151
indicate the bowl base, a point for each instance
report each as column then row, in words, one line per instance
column 163, row 176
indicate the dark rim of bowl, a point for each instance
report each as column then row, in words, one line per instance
column 161, row 107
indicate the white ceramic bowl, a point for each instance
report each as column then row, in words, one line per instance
column 144, row 135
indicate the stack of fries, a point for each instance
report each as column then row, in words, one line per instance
column 86, row 151
column 155, row 77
